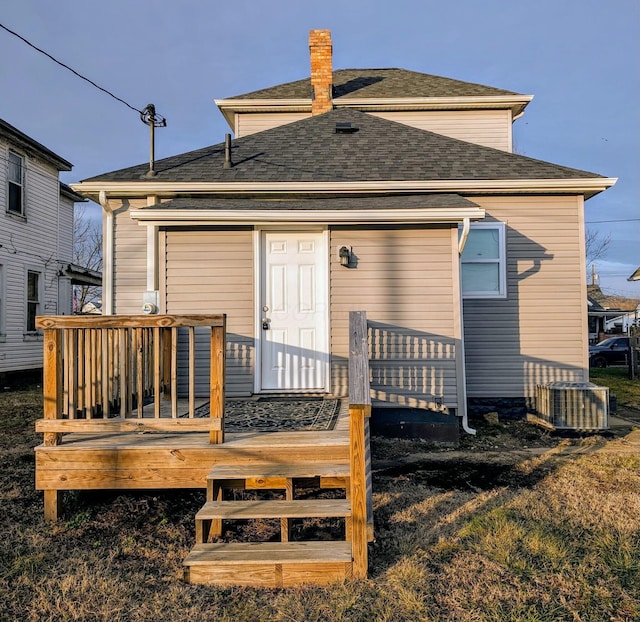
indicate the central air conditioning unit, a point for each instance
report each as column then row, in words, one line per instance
column 573, row 405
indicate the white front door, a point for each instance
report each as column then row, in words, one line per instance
column 293, row 311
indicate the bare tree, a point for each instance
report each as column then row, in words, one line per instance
column 87, row 253
column 596, row 245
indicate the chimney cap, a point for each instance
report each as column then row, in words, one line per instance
column 319, row 36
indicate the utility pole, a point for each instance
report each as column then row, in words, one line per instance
column 149, row 117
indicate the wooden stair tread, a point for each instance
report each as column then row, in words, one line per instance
column 238, row 553
column 243, row 510
column 268, row 470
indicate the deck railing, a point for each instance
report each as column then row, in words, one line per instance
column 360, row 454
column 120, row 373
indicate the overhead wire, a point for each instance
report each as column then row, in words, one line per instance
column 73, row 71
column 594, row 222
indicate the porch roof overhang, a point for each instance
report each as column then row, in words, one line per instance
column 608, row 313
column 429, row 208
column 80, row 275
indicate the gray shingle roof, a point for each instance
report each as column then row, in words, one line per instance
column 380, row 150
column 15, row 136
column 379, row 83
column 321, row 203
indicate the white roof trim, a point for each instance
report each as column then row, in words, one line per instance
column 161, row 216
column 588, row 185
column 475, row 101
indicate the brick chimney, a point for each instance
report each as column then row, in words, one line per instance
column 320, row 50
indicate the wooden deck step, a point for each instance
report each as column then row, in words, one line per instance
column 257, row 470
column 245, row 510
column 265, row 476
column 269, row 564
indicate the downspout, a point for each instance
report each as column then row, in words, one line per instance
column 107, row 252
column 466, row 225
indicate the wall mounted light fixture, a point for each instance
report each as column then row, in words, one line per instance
column 345, row 256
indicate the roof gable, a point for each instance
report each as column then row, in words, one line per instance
column 22, row 141
column 373, row 149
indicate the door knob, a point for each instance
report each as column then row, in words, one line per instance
column 265, row 323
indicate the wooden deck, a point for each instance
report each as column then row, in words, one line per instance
column 100, row 435
column 153, row 460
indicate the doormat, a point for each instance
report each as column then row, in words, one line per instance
column 278, row 414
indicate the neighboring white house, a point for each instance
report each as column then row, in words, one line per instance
column 36, row 245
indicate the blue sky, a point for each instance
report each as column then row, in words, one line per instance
column 580, row 58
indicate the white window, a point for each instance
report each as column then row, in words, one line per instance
column 15, row 203
column 483, row 262
column 33, row 299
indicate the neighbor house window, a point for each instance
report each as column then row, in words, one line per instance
column 483, row 262
column 33, row 300
column 15, row 203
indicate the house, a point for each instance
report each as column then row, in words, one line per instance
column 36, row 246
column 609, row 314
column 384, row 190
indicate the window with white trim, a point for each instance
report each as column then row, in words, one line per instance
column 483, row 261
column 15, row 200
column 33, row 299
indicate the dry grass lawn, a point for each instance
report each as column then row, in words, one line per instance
column 487, row 533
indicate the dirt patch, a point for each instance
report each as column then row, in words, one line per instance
column 483, row 473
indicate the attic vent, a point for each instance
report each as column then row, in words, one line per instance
column 573, row 405
column 345, row 128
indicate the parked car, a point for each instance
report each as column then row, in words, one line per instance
column 611, row 351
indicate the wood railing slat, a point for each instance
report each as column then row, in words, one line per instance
column 157, row 371
column 192, row 370
column 174, row 372
column 140, row 370
column 80, row 405
column 104, row 374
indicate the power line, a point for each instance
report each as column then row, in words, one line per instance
column 73, row 71
column 593, row 222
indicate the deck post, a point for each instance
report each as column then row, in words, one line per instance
column 217, row 379
column 52, row 505
column 52, row 381
column 359, row 413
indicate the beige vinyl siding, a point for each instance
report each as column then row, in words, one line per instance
column 29, row 244
column 491, row 128
column 403, row 280
column 212, row 272
column 539, row 332
column 252, row 122
column 129, row 259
